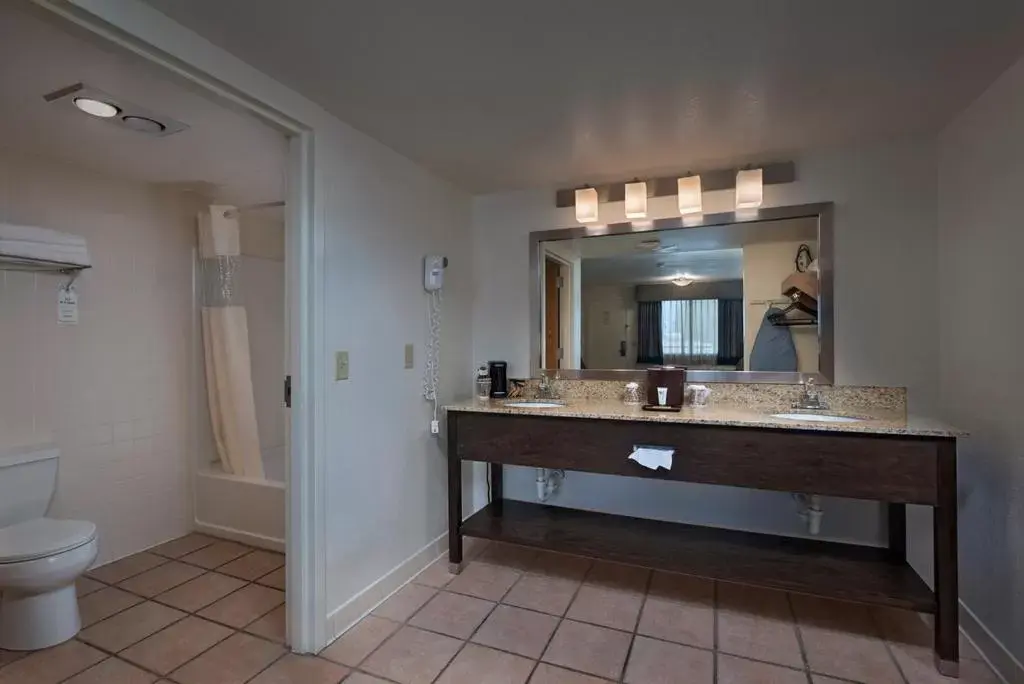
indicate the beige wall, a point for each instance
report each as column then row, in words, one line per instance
column 609, row 317
column 883, row 193
column 112, row 391
column 765, row 266
column 981, row 172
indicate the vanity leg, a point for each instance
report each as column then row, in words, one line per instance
column 947, row 620
column 496, row 473
column 454, row 498
column 897, row 532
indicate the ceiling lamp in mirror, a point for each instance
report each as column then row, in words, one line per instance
column 636, row 199
column 749, row 188
column 586, row 205
column 690, row 196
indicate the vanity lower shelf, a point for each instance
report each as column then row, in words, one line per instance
column 839, row 571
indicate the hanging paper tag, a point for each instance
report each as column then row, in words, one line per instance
column 67, row 304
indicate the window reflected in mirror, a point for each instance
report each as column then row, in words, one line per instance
column 735, row 297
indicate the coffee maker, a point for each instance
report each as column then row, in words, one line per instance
column 498, row 370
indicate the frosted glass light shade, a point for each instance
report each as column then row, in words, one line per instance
column 749, row 189
column 691, row 200
column 636, row 199
column 586, row 205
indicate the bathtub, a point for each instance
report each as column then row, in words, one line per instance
column 240, row 508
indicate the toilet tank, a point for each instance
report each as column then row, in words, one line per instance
column 28, row 478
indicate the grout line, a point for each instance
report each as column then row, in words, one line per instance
column 714, row 630
column 648, row 580
column 880, row 633
column 799, row 638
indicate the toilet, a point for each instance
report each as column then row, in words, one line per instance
column 40, row 557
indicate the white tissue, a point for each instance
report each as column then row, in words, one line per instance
column 653, row 458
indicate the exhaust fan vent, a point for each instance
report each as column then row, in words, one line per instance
column 114, row 110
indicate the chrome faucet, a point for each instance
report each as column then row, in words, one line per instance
column 546, row 389
column 810, row 399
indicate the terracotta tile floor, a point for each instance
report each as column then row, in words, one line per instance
column 516, row 616
column 203, row 611
column 196, row 610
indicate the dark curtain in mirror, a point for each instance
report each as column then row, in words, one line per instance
column 730, row 332
column 649, row 333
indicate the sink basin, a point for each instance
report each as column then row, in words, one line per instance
column 816, row 418
column 534, row 404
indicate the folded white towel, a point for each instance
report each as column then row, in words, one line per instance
column 44, row 244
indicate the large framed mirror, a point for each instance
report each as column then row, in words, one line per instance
column 733, row 297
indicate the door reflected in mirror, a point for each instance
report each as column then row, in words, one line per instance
column 735, row 297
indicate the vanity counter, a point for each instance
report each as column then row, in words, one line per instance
column 875, row 422
column 885, row 457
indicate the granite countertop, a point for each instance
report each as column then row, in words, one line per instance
column 879, row 422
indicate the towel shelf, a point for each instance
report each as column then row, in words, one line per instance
column 15, row 263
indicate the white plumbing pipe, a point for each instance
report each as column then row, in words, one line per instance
column 542, row 484
column 811, row 511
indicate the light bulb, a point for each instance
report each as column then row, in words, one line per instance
column 103, row 110
column 749, row 188
column 636, row 199
column 586, row 205
column 691, row 200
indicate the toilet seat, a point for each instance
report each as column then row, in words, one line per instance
column 43, row 537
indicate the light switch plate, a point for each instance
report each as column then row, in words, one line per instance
column 341, row 365
column 408, row 356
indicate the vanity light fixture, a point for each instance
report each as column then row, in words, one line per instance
column 98, row 108
column 691, row 200
column 636, row 199
column 586, row 205
column 749, row 188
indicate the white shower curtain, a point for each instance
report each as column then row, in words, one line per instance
column 226, row 345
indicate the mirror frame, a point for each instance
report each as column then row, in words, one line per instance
column 823, row 212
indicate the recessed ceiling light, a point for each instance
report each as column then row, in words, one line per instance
column 99, row 108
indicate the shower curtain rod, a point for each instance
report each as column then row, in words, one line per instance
column 231, row 213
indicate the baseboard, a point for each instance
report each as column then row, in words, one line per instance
column 257, row 540
column 351, row 612
column 995, row 653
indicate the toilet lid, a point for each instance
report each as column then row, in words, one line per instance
column 43, row 537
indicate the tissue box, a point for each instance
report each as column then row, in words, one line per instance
column 670, row 377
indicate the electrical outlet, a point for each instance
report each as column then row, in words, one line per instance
column 341, row 365
column 408, row 356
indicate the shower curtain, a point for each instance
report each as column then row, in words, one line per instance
column 226, row 344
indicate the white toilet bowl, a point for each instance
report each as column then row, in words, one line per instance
column 40, row 560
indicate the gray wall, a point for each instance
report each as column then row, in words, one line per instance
column 981, row 244
column 719, row 289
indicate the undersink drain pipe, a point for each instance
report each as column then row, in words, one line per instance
column 548, row 482
column 810, row 511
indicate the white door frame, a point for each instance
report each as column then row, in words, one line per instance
column 115, row 22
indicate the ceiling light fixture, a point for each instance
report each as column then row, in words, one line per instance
column 691, row 199
column 749, row 188
column 586, row 205
column 103, row 110
column 682, row 282
column 636, row 199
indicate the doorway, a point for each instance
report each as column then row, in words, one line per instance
column 552, row 314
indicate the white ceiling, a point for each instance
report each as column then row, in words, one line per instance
column 709, row 253
column 502, row 95
column 225, row 153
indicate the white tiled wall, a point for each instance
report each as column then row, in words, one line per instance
column 113, row 390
